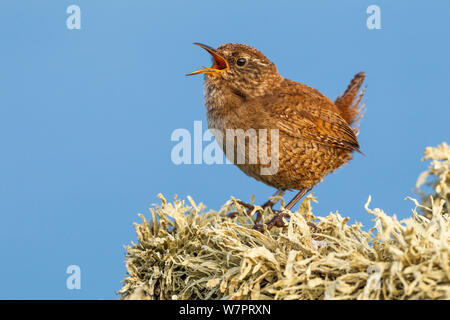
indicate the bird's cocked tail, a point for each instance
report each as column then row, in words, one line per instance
column 349, row 104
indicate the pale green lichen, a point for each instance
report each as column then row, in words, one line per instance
column 187, row 252
column 439, row 171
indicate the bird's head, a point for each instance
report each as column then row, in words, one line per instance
column 240, row 67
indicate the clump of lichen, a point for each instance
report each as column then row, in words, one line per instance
column 186, row 252
column 439, row 172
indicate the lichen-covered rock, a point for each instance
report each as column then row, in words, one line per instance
column 186, row 252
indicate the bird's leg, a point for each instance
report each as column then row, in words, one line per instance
column 297, row 197
column 268, row 204
column 277, row 221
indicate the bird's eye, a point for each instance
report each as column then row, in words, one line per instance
column 241, row 62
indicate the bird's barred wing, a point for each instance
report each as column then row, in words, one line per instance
column 318, row 124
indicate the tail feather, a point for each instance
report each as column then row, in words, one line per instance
column 349, row 104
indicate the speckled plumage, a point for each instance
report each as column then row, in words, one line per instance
column 315, row 134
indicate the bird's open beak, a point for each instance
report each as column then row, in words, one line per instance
column 219, row 63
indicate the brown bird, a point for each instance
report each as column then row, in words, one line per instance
column 243, row 90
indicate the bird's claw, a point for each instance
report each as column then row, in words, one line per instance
column 250, row 208
column 258, row 227
column 246, row 205
column 278, row 222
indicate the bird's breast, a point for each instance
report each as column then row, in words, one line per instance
column 226, row 109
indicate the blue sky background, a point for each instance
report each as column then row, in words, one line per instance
column 86, row 117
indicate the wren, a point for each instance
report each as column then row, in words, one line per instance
column 243, row 90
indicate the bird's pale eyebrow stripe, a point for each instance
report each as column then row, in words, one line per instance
column 261, row 63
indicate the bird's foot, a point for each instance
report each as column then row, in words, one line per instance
column 250, row 208
column 277, row 221
column 258, row 210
